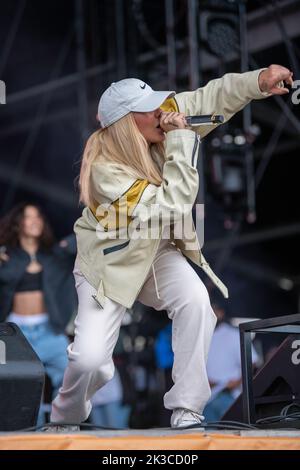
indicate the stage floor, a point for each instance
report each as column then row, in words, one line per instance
column 154, row 439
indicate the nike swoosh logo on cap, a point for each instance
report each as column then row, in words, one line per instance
column 143, row 86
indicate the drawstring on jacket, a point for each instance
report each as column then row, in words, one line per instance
column 155, row 281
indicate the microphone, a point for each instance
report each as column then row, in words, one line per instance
column 204, row 119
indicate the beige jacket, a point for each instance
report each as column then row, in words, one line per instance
column 118, row 240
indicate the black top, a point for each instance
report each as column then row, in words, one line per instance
column 30, row 282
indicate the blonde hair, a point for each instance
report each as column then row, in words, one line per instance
column 121, row 143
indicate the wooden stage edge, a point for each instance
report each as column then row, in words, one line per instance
column 154, row 439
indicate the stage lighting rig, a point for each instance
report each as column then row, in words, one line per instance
column 229, row 175
column 219, row 26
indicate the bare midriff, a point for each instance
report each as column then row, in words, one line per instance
column 29, row 303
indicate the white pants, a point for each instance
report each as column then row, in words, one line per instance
column 171, row 285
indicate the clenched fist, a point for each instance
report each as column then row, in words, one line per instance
column 171, row 121
column 273, row 80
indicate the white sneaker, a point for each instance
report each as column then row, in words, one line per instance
column 63, row 428
column 182, row 418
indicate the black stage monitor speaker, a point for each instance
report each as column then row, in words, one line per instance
column 276, row 385
column 21, row 380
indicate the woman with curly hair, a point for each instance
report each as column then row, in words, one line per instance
column 34, row 274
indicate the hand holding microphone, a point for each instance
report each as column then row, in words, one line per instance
column 173, row 120
column 170, row 121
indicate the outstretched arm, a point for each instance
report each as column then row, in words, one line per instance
column 273, row 79
column 232, row 92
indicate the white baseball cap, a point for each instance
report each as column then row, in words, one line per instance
column 125, row 96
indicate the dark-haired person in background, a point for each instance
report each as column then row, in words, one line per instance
column 37, row 290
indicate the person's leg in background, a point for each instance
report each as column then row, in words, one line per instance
column 114, row 416
column 124, row 415
column 49, row 348
column 98, row 417
column 108, row 415
column 90, row 355
column 185, row 298
column 52, row 351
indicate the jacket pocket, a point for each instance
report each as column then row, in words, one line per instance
column 111, row 249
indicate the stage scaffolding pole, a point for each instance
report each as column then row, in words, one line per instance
column 81, row 67
column 171, row 44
